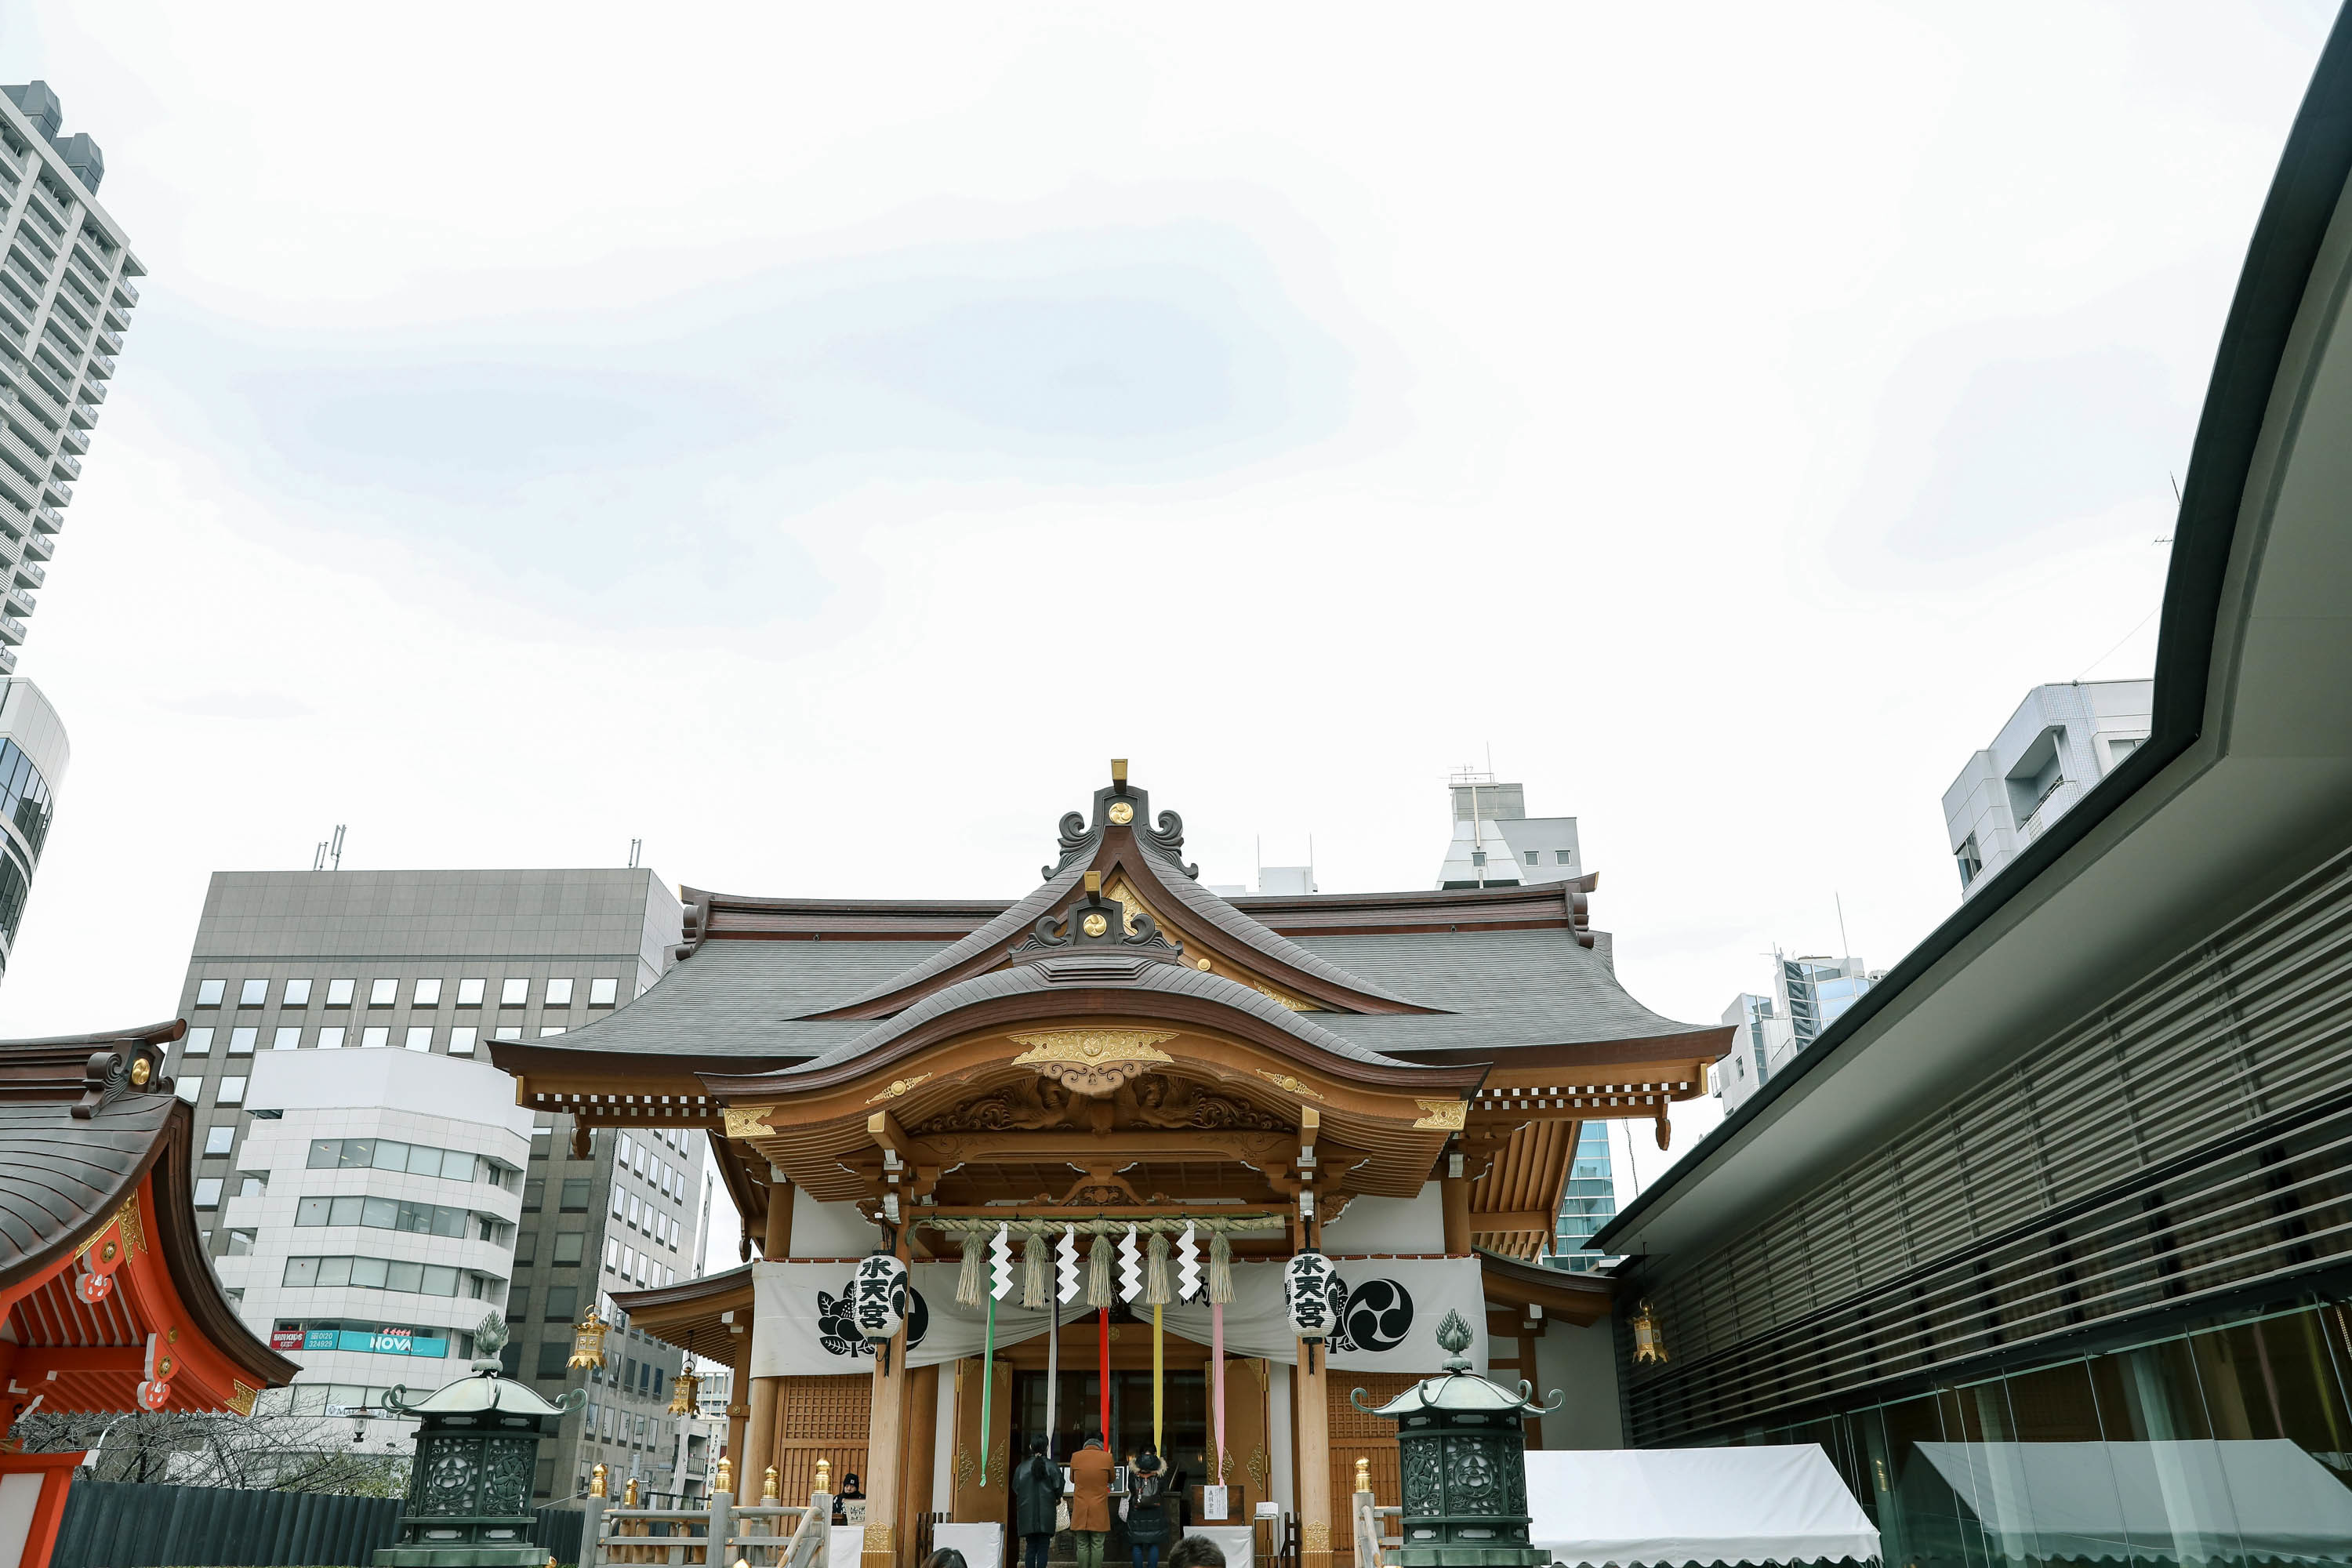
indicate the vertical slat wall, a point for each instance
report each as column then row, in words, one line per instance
column 2191, row 1135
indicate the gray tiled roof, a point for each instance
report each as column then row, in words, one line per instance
column 1499, row 987
column 1001, row 933
column 750, row 999
column 1218, row 912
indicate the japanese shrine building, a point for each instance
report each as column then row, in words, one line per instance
column 1397, row 1080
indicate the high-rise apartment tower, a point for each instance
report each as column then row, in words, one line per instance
column 366, row 1209
column 66, row 297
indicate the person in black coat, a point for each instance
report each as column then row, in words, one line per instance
column 1036, row 1500
column 1148, row 1512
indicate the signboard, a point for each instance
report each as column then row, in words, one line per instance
column 285, row 1339
column 1214, row 1508
column 380, row 1342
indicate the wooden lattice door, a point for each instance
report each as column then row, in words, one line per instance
column 976, row 1503
column 1356, row 1436
column 820, row 1418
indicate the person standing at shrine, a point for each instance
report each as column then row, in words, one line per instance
column 1147, row 1509
column 1090, row 1472
column 1037, row 1502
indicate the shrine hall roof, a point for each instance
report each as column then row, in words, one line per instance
column 1498, row 967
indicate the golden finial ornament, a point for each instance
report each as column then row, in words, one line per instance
column 726, row 1475
column 768, row 1485
column 629, row 1493
column 825, row 1476
column 596, row 1482
column 1363, row 1475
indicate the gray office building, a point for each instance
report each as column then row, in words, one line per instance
column 66, row 297
column 367, row 1215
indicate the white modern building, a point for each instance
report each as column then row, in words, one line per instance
column 33, row 757
column 374, row 1225
column 1497, row 843
column 2060, row 740
column 66, row 297
column 1809, row 993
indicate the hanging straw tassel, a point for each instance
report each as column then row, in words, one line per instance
column 1099, row 1294
column 1036, row 1289
column 1155, row 1272
column 967, row 1286
column 1220, row 1269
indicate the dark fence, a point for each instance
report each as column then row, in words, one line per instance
column 126, row 1524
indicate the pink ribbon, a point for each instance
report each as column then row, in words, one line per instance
column 1217, row 1378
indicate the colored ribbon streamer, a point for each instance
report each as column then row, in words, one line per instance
column 1053, row 1381
column 1217, row 1379
column 987, row 1382
column 1102, row 1360
column 1156, row 1371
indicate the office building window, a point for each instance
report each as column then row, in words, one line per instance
column 562, row 1303
column 375, row 1037
column 526, row 1248
column 219, row 1140
column 1562, row 857
column 575, row 1195
column 199, row 1043
column 420, row 1039
column 551, row 1357
column 513, row 993
column 383, row 992
column 602, row 993
column 569, row 1247
column 1534, row 856
column 461, row 1042
column 240, row 1041
column 253, row 994
column 470, row 992
column 637, row 1213
column 190, row 1089
column 339, row 992
column 208, row 993
column 545, row 1032
column 508, row 1032
column 428, row 993
column 285, row 1038
column 330, row 1039
column 620, row 1205
column 297, row 994
column 612, row 1253
column 518, row 1304
column 232, row 1090
column 372, row 1274
column 534, row 1195
column 559, row 994
column 208, row 1192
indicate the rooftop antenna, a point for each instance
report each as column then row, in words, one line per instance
column 328, row 856
column 1846, row 948
column 635, row 846
column 1310, row 863
column 1260, row 853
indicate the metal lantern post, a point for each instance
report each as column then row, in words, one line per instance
column 477, row 1453
column 1463, row 1452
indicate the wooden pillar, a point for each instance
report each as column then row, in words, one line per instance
column 779, row 1243
column 1453, row 1194
column 1311, row 1420
column 738, row 1395
column 915, row 1479
column 886, row 1435
column 758, row 1441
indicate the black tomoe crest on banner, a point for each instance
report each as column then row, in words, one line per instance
column 1375, row 1316
column 836, row 1321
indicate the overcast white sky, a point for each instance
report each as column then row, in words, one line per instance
column 815, row 438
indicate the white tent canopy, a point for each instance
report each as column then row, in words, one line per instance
column 1664, row 1508
column 2260, row 1501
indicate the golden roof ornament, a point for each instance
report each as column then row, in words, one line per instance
column 686, row 1393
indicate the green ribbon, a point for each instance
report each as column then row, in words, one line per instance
column 987, row 1382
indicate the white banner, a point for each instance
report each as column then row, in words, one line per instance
column 803, row 1324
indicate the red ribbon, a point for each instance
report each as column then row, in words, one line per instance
column 1102, row 1360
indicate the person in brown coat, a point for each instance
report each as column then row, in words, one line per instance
column 1091, row 1469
